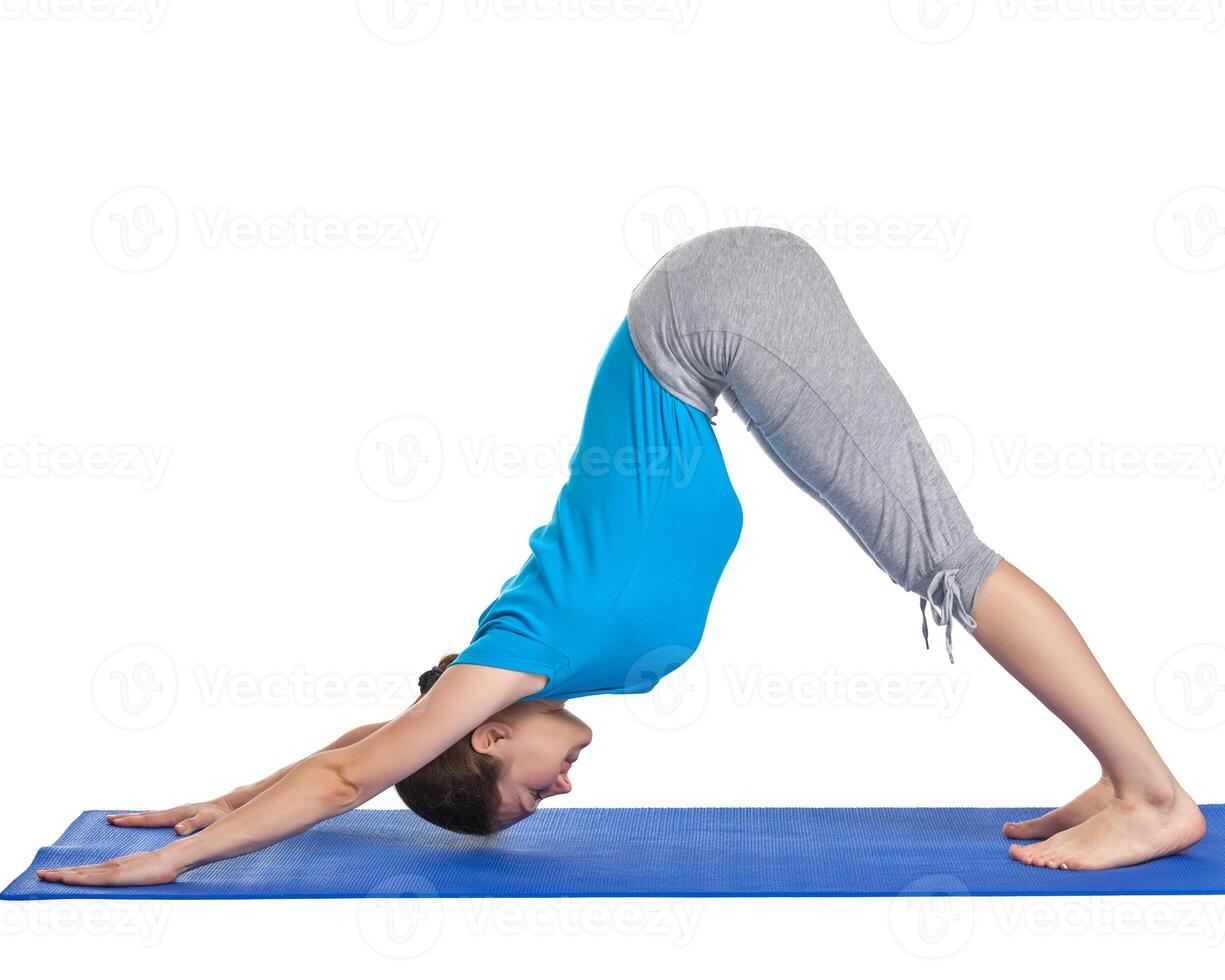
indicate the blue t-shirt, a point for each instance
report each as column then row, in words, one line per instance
column 618, row 585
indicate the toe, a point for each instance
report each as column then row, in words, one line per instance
column 1025, row 853
column 1025, row 830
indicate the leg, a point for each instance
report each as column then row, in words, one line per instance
column 1137, row 811
column 1147, row 813
column 755, row 314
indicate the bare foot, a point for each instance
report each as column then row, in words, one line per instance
column 1126, row 832
column 1093, row 800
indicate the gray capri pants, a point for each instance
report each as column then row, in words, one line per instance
column 753, row 314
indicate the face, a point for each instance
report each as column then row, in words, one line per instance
column 538, row 742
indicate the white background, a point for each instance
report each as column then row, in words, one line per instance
column 342, row 218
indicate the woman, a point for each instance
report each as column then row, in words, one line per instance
column 616, row 591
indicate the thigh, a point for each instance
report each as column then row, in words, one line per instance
column 866, row 460
column 740, row 412
column 759, row 309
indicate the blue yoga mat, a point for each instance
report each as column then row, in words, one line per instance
column 652, row 851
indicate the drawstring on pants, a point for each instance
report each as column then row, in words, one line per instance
column 942, row 612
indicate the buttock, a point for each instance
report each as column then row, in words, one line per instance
column 702, row 301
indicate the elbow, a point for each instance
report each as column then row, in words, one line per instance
column 340, row 791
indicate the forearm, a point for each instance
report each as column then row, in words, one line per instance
column 244, row 794
column 310, row 791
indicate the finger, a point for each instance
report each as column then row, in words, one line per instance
column 151, row 818
column 60, row 874
column 134, row 819
column 92, row 870
column 196, row 822
column 110, row 873
column 55, row 871
column 71, row 868
column 77, row 878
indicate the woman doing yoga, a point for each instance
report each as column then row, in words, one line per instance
column 616, row 590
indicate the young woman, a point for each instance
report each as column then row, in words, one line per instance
column 616, row 591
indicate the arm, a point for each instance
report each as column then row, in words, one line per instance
column 191, row 817
column 327, row 783
column 244, row 794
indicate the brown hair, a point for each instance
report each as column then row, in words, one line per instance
column 457, row 790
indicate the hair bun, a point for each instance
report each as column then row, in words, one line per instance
column 430, row 677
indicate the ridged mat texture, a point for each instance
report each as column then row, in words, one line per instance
column 650, row 851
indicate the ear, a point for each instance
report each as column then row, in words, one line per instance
column 489, row 738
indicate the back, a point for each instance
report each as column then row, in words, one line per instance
column 616, row 590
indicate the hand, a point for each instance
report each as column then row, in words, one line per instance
column 186, row 819
column 141, row 868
